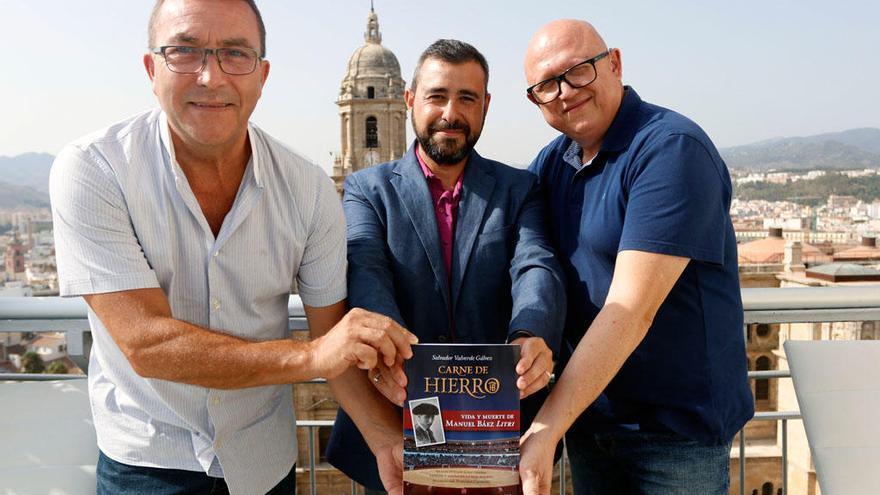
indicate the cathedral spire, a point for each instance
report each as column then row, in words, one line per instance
column 372, row 35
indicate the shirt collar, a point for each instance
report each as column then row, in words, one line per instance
column 620, row 133
column 624, row 126
column 429, row 175
column 165, row 137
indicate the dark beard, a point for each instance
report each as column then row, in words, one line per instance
column 444, row 151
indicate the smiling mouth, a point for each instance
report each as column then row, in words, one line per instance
column 210, row 106
column 577, row 105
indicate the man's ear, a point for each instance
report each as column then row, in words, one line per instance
column 409, row 97
column 616, row 63
column 265, row 74
column 150, row 65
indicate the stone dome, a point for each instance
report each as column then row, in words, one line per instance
column 373, row 70
column 373, row 60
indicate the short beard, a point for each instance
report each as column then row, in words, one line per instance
column 444, row 152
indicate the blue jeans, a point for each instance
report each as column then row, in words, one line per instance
column 116, row 478
column 649, row 463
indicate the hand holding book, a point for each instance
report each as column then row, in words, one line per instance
column 390, row 381
column 535, row 366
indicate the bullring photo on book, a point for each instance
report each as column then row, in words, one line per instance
column 461, row 420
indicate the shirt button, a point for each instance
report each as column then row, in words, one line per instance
column 218, row 444
column 215, row 401
column 215, row 304
column 216, row 253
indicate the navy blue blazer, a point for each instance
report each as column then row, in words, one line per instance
column 505, row 276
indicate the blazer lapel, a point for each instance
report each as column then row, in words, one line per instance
column 476, row 191
column 412, row 189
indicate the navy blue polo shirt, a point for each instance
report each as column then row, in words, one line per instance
column 657, row 185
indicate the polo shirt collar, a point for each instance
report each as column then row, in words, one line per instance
column 620, row 133
column 625, row 125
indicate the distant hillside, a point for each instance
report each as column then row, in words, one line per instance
column 14, row 195
column 812, row 192
column 852, row 149
column 29, row 169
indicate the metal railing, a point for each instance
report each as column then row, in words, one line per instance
column 770, row 305
column 799, row 305
column 69, row 316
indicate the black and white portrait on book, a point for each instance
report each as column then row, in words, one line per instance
column 427, row 421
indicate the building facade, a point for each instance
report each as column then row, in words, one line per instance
column 14, row 260
column 372, row 111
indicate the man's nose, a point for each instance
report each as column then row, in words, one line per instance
column 566, row 90
column 211, row 71
column 450, row 111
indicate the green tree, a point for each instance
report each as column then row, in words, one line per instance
column 56, row 368
column 31, row 362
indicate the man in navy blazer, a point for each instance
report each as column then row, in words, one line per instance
column 451, row 246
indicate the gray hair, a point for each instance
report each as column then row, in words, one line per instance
column 151, row 27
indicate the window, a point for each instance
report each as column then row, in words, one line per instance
column 767, row 488
column 372, row 133
column 763, row 330
column 762, row 385
column 371, row 92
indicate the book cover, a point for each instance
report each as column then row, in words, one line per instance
column 461, row 420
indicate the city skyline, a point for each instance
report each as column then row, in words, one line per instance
column 745, row 72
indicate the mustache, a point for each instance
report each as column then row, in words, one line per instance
column 444, row 125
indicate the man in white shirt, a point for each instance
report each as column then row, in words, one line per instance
column 184, row 228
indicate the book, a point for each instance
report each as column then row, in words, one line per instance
column 461, row 420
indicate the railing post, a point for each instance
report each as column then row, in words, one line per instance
column 742, row 461
column 784, row 456
column 313, row 484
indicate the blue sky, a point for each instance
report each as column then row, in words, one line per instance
column 745, row 71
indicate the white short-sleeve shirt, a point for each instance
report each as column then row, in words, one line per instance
column 125, row 218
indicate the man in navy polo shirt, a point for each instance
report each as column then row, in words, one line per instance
column 654, row 385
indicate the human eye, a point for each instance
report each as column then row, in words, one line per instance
column 545, row 87
column 183, row 50
column 581, row 74
column 237, row 53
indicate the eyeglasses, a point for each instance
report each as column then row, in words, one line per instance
column 192, row 59
column 576, row 76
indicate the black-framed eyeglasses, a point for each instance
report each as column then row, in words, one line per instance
column 192, row 59
column 576, row 76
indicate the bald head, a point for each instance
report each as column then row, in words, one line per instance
column 581, row 103
column 561, row 35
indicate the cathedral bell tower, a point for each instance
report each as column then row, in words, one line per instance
column 14, row 260
column 372, row 111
